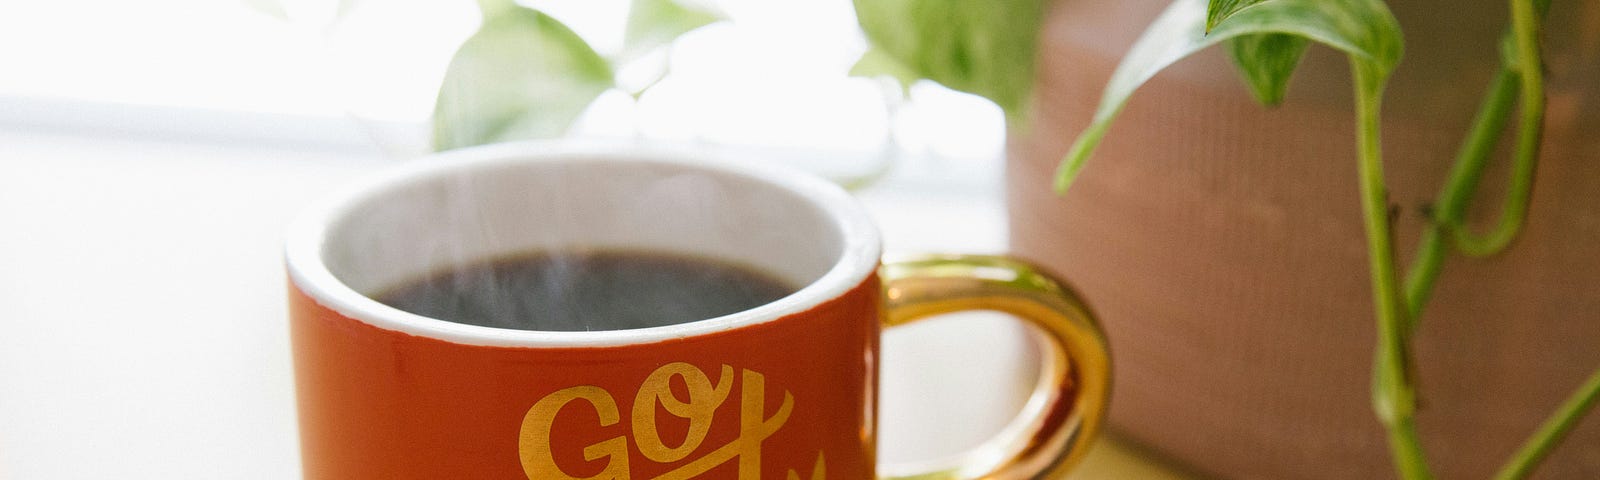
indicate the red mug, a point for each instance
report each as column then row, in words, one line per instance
column 786, row 390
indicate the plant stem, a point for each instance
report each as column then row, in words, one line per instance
column 1530, row 132
column 1446, row 218
column 1392, row 396
column 1451, row 205
column 1525, row 25
column 1553, row 430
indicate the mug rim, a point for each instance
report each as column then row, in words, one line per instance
column 308, row 272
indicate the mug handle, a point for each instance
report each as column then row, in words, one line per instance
column 1061, row 417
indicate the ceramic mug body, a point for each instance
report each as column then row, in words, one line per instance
column 786, row 390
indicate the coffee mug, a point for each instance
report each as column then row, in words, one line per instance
column 784, row 390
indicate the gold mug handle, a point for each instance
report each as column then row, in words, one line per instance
column 1064, row 412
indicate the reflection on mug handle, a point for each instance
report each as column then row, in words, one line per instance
column 1061, row 417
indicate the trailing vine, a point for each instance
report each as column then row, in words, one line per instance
column 1266, row 39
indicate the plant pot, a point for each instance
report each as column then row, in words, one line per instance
column 1222, row 244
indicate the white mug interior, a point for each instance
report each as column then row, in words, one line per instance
column 475, row 205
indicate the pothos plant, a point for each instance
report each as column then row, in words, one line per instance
column 987, row 48
column 526, row 75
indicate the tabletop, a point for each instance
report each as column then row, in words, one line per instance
column 143, row 331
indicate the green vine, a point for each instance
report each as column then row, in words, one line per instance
column 1525, row 19
column 1266, row 39
column 1451, row 204
column 1393, row 397
column 1553, row 430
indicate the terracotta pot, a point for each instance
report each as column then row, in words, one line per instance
column 1222, row 245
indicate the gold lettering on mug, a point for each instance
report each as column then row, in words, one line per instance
column 537, row 461
column 699, row 408
column 818, row 471
column 753, row 429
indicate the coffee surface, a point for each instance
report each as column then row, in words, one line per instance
column 579, row 291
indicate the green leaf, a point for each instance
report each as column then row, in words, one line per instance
column 653, row 23
column 877, row 63
column 1216, row 10
column 522, row 75
column 980, row 47
column 1267, row 62
column 1363, row 29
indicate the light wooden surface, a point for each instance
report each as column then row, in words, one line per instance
column 143, row 333
column 1115, row 458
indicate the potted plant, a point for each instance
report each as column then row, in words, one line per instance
column 1237, row 257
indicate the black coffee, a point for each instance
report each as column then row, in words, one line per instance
column 607, row 290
